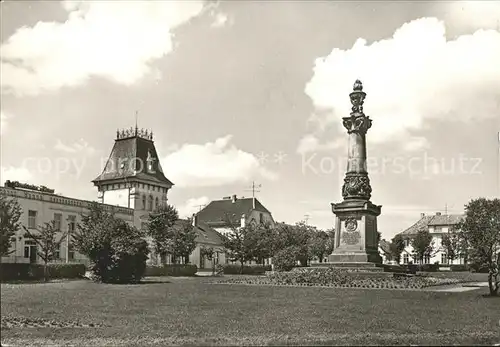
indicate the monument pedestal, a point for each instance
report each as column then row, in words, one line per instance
column 355, row 242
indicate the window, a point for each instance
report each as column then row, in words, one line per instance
column 57, row 221
column 426, row 259
column 150, row 203
column 31, row 219
column 144, row 202
column 261, row 218
column 71, row 252
column 444, row 258
column 57, row 253
column 157, row 202
column 405, row 258
column 71, row 223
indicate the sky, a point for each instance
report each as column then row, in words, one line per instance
column 245, row 91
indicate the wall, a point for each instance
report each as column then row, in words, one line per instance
column 438, row 252
column 118, row 197
column 194, row 258
column 46, row 205
column 267, row 218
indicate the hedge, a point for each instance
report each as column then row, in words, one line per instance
column 21, row 271
column 234, row 269
column 171, row 270
column 459, row 267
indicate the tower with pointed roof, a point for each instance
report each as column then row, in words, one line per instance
column 133, row 176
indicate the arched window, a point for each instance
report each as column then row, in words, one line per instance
column 150, row 203
column 144, row 202
column 157, row 202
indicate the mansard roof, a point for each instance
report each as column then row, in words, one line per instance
column 216, row 212
column 129, row 159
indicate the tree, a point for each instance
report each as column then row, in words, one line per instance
column 320, row 244
column 297, row 236
column 180, row 241
column 451, row 244
column 159, row 225
column 238, row 243
column 208, row 253
column 116, row 250
column 422, row 244
column 481, row 230
column 261, row 242
column 47, row 242
column 397, row 247
column 10, row 213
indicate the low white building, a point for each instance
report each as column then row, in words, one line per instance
column 438, row 226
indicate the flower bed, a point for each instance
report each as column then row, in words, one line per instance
column 342, row 279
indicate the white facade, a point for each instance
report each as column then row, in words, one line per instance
column 39, row 208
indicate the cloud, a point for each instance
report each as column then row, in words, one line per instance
column 213, row 164
column 192, row 206
column 221, row 20
column 116, row 41
column 80, row 146
column 3, row 122
column 416, row 143
column 20, row 174
column 411, row 78
column 310, row 143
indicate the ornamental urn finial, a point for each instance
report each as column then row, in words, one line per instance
column 358, row 86
column 357, row 98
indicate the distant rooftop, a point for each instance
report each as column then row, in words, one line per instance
column 232, row 207
column 433, row 220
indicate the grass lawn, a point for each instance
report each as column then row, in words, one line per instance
column 190, row 311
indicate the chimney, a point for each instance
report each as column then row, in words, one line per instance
column 195, row 221
column 438, row 213
column 233, row 199
column 422, row 215
column 242, row 221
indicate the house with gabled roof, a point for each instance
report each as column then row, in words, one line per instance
column 233, row 211
column 438, row 225
column 205, row 237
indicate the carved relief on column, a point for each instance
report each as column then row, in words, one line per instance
column 357, row 186
column 351, row 236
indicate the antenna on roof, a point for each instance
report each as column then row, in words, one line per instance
column 306, row 218
column 200, row 207
column 254, row 190
column 136, row 116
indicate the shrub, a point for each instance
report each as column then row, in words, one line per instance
column 286, row 259
column 15, row 271
column 474, row 267
column 460, row 267
column 230, row 269
column 171, row 270
column 117, row 251
column 428, row 267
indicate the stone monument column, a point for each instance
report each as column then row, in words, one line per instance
column 356, row 217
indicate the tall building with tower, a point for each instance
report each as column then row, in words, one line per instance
column 131, row 185
column 133, row 176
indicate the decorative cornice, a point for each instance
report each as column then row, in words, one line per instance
column 128, row 133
